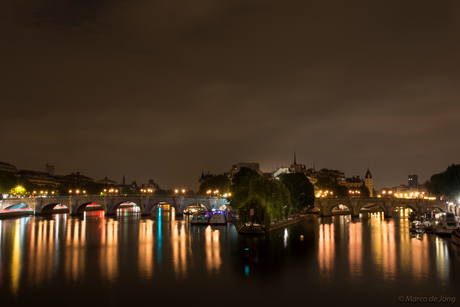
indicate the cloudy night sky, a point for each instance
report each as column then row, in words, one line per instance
column 167, row 89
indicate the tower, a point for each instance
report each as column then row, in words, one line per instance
column 124, row 180
column 412, row 180
column 295, row 162
column 50, row 169
column 368, row 183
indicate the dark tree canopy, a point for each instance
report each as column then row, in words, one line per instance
column 274, row 194
column 240, row 186
column 261, row 215
column 8, row 181
column 446, row 183
column 330, row 183
column 301, row 190
column 364, row 191
column 219, row 182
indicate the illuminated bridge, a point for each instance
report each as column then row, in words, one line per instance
column 77, row 204
column 356, row 204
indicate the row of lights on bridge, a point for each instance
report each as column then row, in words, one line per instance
column 43, row 193
column 76, row 192
column 325, row 193
column 146, row 190
column 405, row 195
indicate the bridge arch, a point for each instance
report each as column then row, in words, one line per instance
column 148, row 210
column 327, row 211
column 314, row 210
column 80, row 209
column 195, row 203
column 406, row 204
column 368, row 204
column 18, row 206
column 116, row 205
column 342, row 208
column 49, row 207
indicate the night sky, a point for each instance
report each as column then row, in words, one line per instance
column 167, row 89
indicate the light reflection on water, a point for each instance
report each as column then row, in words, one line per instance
column 37, row 251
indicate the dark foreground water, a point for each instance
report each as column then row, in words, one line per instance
column 131, row 260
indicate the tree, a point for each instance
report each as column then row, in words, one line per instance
column 446, row 183
column 260, row 216
column 240, row 186
column 274, row 194
column 219, row 182
column 7, row 182
column 364, row 191
column 301, row 190
column 330, row 183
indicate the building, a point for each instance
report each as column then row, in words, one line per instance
column 280, row 171
column 412, row 180
column 411, row 190
column 236, row 168
column 107, row 181
column 49, row 169
column 205, row 177
column 151, row 185
column 77, row 178
column 352, row 183
column 368, row 183
column 311, row 173
column 9, row 168
column 39, row 178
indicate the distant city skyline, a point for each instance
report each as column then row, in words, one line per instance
column 194, row 185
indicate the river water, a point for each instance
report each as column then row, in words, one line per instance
column 130, row 260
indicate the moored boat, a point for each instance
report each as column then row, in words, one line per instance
column 445, row 224
column 218, row 218
column 416, row 226
column 200, row 218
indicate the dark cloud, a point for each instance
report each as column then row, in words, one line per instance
column 165, row 89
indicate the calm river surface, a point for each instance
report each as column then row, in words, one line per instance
column 129, row 260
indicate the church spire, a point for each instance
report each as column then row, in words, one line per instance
column 295, row 162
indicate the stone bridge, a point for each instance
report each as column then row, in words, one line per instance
column 110, row 204
column 355, row 204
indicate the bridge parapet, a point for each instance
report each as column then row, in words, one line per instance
column 110, row 204
column 355, row 204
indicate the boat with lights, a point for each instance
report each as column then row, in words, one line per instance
column 200, row 218
column 445, row 223
column 218, row 218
